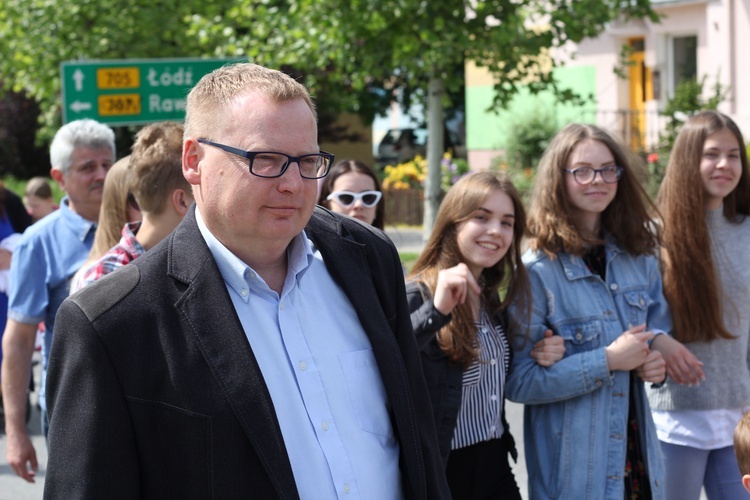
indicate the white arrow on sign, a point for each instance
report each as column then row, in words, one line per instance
column 78, row 106
column 78, row 77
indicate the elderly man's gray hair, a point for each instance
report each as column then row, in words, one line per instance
column 80, row 133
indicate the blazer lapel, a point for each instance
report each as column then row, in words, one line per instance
column 222, row 341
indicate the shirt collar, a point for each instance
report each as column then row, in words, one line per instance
column 78, row 225
column 236, row 272
column 574, row 266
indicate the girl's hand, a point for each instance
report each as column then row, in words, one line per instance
column 549, row 350
column 653, row 369
column 682, row 365
column 629, row 350
column 453, row 286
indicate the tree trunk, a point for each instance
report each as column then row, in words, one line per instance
column 435, row 149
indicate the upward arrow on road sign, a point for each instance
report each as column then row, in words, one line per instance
column 78, row 79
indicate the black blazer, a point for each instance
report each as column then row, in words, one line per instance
column 154, row 392
column 444, row 377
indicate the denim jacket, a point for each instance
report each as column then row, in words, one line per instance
column 575, row 418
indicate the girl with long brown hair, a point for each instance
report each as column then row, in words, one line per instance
column 704, row 201
column 462, row 330
column 595, row 282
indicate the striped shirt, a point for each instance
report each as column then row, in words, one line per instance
column 480, row 415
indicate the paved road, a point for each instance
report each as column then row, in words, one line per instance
column 11, row 486
column 406, row 239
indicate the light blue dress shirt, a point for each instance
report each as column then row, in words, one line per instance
column 47, row 256
column 321, row 373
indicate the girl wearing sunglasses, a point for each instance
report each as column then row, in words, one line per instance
column 352, row 188
column 595, row 282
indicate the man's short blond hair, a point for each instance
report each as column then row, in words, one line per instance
column 742, row 443
column 208, row 101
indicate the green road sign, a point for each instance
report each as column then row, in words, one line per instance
column 131, row 91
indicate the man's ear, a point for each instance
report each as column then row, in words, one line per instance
column 57, row 176
column 746, row 482
column 192, row 155
column 181, row 201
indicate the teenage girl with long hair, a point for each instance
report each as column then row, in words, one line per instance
column 595, row 282
column 463, row 332
column 705, row 200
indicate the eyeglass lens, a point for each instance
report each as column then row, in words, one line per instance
column 586, row 175
column 270, row 164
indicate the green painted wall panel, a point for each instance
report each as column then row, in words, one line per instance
column 488, row 129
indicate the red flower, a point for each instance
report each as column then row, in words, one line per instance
column 652, row 158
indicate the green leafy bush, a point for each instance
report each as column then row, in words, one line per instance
column 528, row 139
column 524, row 146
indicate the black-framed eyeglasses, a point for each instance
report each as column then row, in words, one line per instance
column 271, row 164
column 586, row 175
column 347, row 198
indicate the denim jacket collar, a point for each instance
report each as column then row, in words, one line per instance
column 575, row 268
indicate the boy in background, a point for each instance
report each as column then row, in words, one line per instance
column 38, row 198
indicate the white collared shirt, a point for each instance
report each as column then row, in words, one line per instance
column 321, row 373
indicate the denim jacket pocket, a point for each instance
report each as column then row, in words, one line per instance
column 581, row 336
column 638, row 304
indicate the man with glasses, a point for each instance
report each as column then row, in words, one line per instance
column 47, row 256
column 262, row 350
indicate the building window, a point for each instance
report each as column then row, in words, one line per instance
column 685, row 59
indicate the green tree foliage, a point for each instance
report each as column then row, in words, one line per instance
column 358, row 44
column 37, row 35
column 346, row 50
